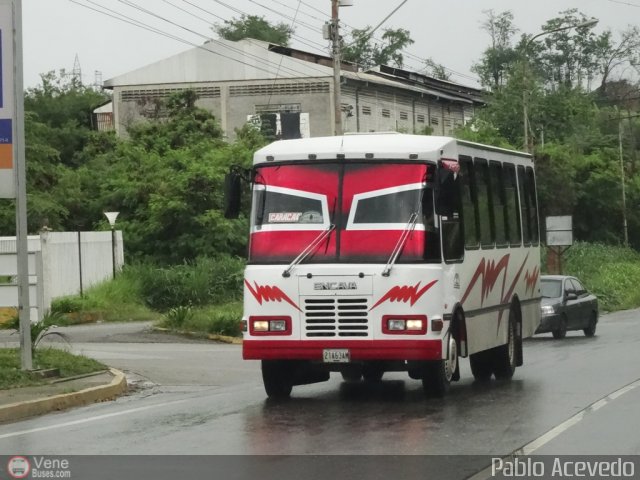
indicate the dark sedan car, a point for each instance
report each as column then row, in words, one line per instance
column 566, row 305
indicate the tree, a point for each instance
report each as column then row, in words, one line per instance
column 436, row 70
column 496, row 60
column 253, row 26
column 367, row 52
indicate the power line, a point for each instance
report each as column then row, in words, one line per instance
column 208, row 38
column 625, row 3
column 124, row 18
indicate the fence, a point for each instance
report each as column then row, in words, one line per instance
column 60, row 264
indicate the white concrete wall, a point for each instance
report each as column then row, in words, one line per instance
column 54, row 266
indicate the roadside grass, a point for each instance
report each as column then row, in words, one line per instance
column 11, row 375
column 221, row 319
column 612, row 273
column 202, row 297
column 117, row 300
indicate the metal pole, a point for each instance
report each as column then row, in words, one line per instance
column 335, row 37
column 80, row 262
column 22, row 244
column 624, row 200
column 113, row 250
column 525, row 115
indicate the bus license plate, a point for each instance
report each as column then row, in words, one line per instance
column 336, row 356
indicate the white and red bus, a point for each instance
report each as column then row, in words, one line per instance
column 372, row 253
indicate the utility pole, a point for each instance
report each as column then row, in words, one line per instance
column 335, row 43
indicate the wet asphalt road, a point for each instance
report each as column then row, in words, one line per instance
column 195, row 397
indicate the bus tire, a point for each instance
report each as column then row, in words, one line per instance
column 439, row 373
column 351, row 373
column 372, row 373
column 504, row 356
column 481, row 367
column 277, row 376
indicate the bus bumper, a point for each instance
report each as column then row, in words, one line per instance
column 359, row 350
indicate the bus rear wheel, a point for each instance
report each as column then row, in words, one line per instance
column 504, row 360
column 277, row 376
column 481, row 367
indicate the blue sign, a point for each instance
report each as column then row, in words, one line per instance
column 1, row 69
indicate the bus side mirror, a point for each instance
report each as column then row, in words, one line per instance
column 232, row 194
column 446, row 191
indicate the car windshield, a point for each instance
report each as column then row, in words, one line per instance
column 551, row 288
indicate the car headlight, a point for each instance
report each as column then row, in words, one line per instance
column 547, row 310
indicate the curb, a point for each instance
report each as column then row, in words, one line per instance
column 30, row 408
column 209, row 336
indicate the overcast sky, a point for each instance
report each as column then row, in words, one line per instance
column 449, row 31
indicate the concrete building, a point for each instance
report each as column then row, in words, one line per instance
column 256, row 81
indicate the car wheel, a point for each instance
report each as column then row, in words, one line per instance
column 439, row 373
column 504, row 361
column 561, row 331
column 590, row 331
column 277, row 376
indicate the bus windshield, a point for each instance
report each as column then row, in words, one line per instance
column 369, row 204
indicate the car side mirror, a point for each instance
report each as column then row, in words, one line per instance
column 232, row 194
column 571, row 296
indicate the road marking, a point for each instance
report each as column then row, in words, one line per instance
column 90, row 419
column 531, row 447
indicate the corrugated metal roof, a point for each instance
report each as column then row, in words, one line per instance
column 249, row 59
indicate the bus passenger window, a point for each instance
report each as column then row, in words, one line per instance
column 533, row 206
column 524, row 206
column 513, row 207
column 469, row 203
column 499, row 203
column 487, row 230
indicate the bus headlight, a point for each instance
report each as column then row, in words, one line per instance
column 267, row 325
column 404, row 324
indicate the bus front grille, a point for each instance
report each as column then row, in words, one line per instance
column 336, row 317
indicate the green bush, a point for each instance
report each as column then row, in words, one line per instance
column 205, row 282
column 219, row 319
column 177, row 317
column 612, row 273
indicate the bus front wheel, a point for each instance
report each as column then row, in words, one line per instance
column 277, row 376
column 438, row 374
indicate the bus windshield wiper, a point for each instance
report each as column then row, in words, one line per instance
column 411, row 224
column 310, row 248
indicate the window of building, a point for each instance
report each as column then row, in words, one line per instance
column 420, row 118
column 435, row 121
column 404, row 116
column 386, row 113
column 366, row 110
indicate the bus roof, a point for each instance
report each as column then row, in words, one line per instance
column 358, row 146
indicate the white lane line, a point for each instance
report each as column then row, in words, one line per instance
column 531, row 447
column 90, row 419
